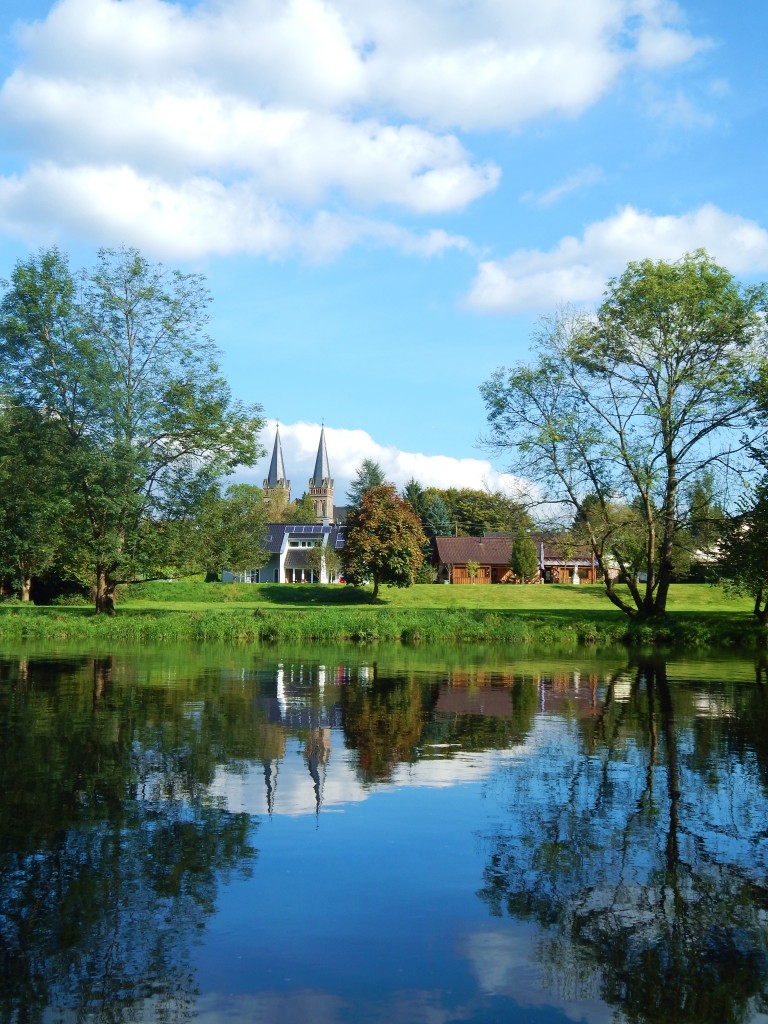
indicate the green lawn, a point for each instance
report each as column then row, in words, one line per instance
column 582, row 600
column 545, row 616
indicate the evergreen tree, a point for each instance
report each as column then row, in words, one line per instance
column 524, row 559
column 369, row 474
column 438, row 522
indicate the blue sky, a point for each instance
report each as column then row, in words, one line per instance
column 384, row 197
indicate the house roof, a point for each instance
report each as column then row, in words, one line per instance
column 484, row 550
column 276, row 533
column 296, row 558
column 496, row 549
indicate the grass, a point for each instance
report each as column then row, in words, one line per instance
column 545, row 616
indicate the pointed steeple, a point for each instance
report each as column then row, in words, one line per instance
column 322, row 471
column 321, row 484
column 276, row 466
column 276, row 481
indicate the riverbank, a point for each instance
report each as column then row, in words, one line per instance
column 545, row 616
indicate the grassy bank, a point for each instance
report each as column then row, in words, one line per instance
column 542, row 616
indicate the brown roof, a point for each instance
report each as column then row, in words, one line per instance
column 496, row 550
column 483, row 550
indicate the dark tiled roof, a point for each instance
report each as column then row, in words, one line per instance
column 296, row 558
column 277, row 531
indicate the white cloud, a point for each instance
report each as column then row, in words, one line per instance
column 250, row 111
column 577, row 269
column 348, row 448
column 195, row 217
column 287, row 152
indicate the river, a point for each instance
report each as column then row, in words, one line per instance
column 382, row 835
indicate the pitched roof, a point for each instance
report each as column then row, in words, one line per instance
column 495, row 549
column 273, row 541
column 485, row 550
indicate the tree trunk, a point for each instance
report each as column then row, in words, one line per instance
column 761, row 609
column 26, row 587
column 104, row 593
column 375, row 593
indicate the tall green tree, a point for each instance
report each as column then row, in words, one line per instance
column 438, row 521
column 414, row 494
column 630, row 406
column 471, row 512
column 35, row 507
column 742, row 558
column 230, row 530
column 384, row 541
column 119, row 357
column 524, row 558
column 369, row 474
column 324, row 561
column 302, row 510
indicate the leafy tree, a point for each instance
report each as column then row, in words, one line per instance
column 324, row 560
column 524, row 559
column 369, row 474
column 119, row 359
column 35, row 508
column 473, row 568
column 700, row 535
column 742, row 562
column 302, row 510
column 230, row 531
column 472, row 512
column 384, row 541
column 633, row 405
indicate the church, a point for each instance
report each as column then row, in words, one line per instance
column 288, row 544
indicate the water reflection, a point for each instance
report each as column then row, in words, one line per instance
column 110, row 850
column 639, row 848
column 612, row 822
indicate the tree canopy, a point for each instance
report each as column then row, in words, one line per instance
column 384, row 541
column 369, row 474
column 524, row 558
column 468, row 512
column 626, row 409
column 118, row 358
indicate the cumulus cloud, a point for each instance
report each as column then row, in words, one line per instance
column 348, row 448
column 193, row 218
column 577, row 269
column 258, row 112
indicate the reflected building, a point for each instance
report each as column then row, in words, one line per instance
column 301, row 718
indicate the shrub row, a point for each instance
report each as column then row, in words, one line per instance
column 368, row 625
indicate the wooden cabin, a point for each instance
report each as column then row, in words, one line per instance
column 491, row 554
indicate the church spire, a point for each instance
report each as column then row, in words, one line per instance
column 322, row 471
column 276, row 477
column 321, row 484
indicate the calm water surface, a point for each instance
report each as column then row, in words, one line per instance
column 389, row 836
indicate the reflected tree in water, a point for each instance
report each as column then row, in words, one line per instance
column 111, row 851
column 383, row 721
column 643, row 857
